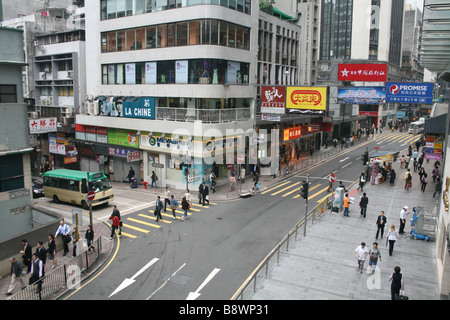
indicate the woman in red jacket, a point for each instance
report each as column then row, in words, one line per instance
column 115, row 225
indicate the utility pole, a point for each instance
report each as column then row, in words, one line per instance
column 304, row 193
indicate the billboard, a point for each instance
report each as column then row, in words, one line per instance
column 403, row 92
column 306, row 100
column 363, row 72
column 273, row 100
column 362, row 95
column 142, row 108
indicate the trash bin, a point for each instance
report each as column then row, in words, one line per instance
column 338, row 200
column 133, row 183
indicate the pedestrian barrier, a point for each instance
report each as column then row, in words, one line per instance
column 312, row 216
column 62, row 277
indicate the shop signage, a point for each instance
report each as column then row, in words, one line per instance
column 133, row 156
column 298, row 132
column 306, row 100
column 433, row 147
column 70, row 160
column 166, row 143
column 363, row 72
column 123, row 137
column 403, row 92
column 362, row 95
column 124, row 153
column 142, row 108
column 181, row 71
column 42, row 125
column 273, row 100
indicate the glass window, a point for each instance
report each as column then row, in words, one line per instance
column 140, row 73
column 223, row 40
column 140, row 6
column 104, row 74
column 171, row 34
column 232, row 4
column 120, row 8
column 194, row 32
column 240, row 37
column 162, row 36
column 231, row 35
column 140, row 38
column 129, row 8
column 8, row 93
column 182, row 34
column 112, row 41
column 240, row 5
column 104, row 42
column 111, row 9
column 131, row 39
column 151, row 37
column 121, row 40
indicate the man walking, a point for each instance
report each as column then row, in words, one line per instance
column 361, row 254
column 381, row 223
column 158, row 208
column 363, row 205
column 26, row 254
column 37, row 272
column 166, row 198
column 403, row 214
column 16, row 275
column 205, row 193
column 408, row 180
column 116, row 213
column 64, row 230
column 346, row 205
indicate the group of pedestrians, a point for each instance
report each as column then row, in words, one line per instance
column 34, row 263
column 169, row 199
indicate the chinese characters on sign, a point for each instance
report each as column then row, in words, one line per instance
column 363, row 72
column 42, row 125
column 273, row 100
column 409, row 92
column 433, row 147
column 305, row 100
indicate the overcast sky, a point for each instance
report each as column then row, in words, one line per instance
column 418, row 3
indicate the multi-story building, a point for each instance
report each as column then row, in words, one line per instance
column 363, row 31
column 166, row 79
column 15, row 173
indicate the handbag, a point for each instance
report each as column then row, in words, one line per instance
column 401, row 296
column 174, row 207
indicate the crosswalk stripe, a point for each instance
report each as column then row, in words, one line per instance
column 128, row 235
column 310, row 189
column 317, row 193
column 135, row 228
column 144, row 223
column 291, row 186
column 168, row 215
column 199, row 205
column 152, row 218
column 276, row 187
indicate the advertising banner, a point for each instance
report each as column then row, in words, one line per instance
column 362, row 95
column 181, row 71
column 143, row 108
column 150, row 72
column 306, row 100
column 42, row 125
column 404, row 92
column 123, row 137
column 363, row 72
column 273, row 100
column 433, row 147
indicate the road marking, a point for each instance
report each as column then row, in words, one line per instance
column 279, row 191
column 347, row 164
column 165, row 282
column 310, row 189
column 317, row 193
column 135, row 228
column 130, row 281
column 196, row 294
column 273, row 188
column 152, row 218
column 144, row 223
column 343, row 159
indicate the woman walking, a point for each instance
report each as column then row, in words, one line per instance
column 391, row 238
column 52, row 250
column 185, row 207
column 397, row 283
column 89, row 238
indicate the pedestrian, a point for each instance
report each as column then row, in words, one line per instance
column 16, row 275
column 232, row 181
column 407, row 160
column 37, row 272
column 166, row 198
column 374, row 254
column 408, row 180
column 341, row 185
column 185, row 207
column 424, row 182
column 158, row 208
column 188, row 197
column 200, row 191
column 421, row 173
column 330, row 182
column 415, row 164
column 438, row 187
column 363, row 205
column 402, row 161
column 75, row 242
column 41, row 252
column 403, row 214
column 212, row 179
column 116, row 213
column 26, row 254
column 52, row 250
column 393, row 176
column 397, row 283
column 381, row 223
column 435, row 173
column 205, row 194
column 391, row 238
column 173, row 206
column 130, row 175
column 64, row 231
column 154, row 178
column 362, row 181
column 114, row 226
column 89, row 235
column 256, row 182
column 420, row 162
column 361, row 254
column 346, row 205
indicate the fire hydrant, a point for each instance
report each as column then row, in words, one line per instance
column 145, row 183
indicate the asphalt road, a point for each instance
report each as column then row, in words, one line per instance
column 211, row 254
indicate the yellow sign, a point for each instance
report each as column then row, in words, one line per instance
column 306, row 98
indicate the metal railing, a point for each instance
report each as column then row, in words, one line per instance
column 61, row 277
column 312, row 216
column 204, row 115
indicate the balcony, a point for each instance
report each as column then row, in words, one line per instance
column 204, row 115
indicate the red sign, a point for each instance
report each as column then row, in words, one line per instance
column 332, row 178
column 91, row 195
column 363, row 72
column 273, row 100
column 369, row 113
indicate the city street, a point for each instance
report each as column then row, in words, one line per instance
column 212, row 253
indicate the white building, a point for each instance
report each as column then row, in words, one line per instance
column 166, row 77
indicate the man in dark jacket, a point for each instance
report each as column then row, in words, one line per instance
column 205, row 193
column 363, row 204
column 41, row 252
column 381, row 222
column 16, row 274
column 26, row 254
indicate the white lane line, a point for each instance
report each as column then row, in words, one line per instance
column 165, row 282
column 196, row 294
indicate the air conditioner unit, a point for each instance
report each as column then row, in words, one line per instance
column 50, row 100
column 47, row 69
column 70, row 74
column 36, row 43
column 43, row 76
column 33, row 114
column 89, row 107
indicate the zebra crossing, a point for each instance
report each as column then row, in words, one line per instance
column 145, row 223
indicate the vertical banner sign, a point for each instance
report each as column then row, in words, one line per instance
column 130, row 73
column 181, row 71
column 273, row 100
column 150, row 72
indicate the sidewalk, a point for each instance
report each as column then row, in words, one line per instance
column 100, row 230
column 323, row 265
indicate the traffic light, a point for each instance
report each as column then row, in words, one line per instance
column 365, row 158
column 304, row 190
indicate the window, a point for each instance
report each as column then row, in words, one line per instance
column 181, row 34
column 74, row 185
column 11, row 172
column 8, row 93
column 112, row 41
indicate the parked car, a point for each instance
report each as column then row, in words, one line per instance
column 38, row 188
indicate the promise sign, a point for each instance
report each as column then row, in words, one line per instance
column 306, row 100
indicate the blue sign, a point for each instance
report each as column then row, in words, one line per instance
column 362, row 95
column 402, row 92
column 142, row 108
